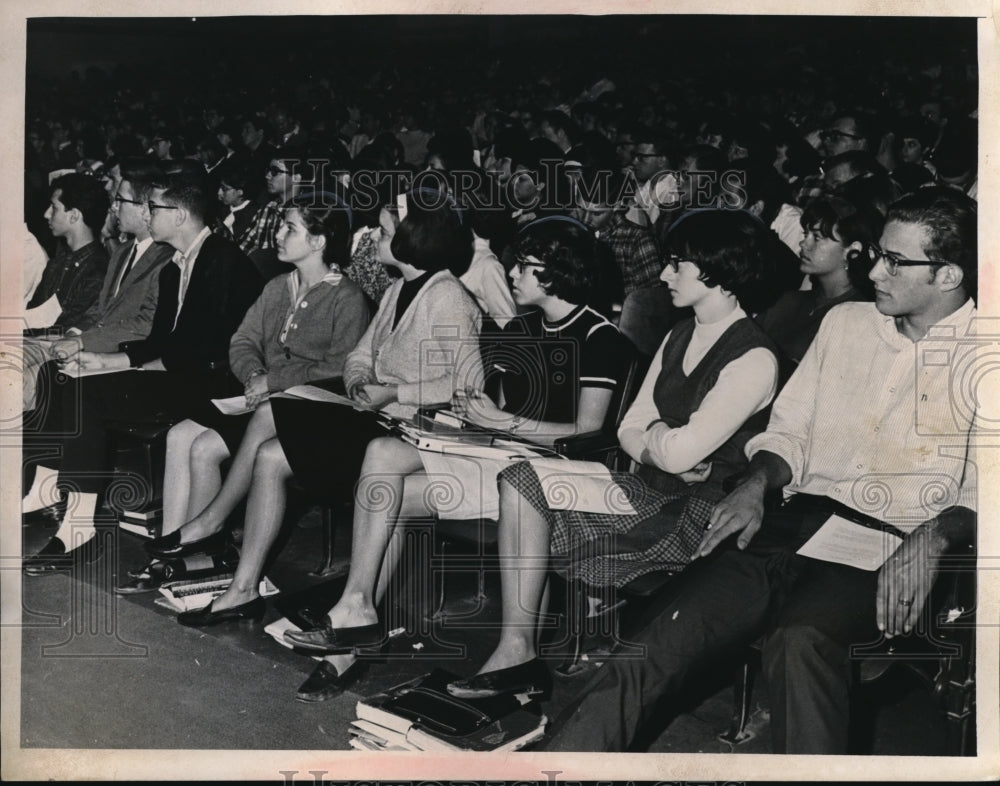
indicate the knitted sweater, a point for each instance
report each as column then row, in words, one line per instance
column 324, row 328
column 436, row 339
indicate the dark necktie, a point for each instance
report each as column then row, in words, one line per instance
column 128, row 267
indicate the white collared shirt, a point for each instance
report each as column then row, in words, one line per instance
column 230, row 218
column 185, row 261
column 876, row 421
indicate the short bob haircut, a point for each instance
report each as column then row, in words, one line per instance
column 732, row 249
column 326, row 214
column 949, row 216
column 432, row 236
column 846, row 223
column 569, row 252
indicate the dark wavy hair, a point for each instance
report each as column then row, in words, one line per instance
column 846, row 223
column 433, row 236
column 572, row 266
column 85, row 194
column 732, row 249
column 327, row 214
column 949, row 216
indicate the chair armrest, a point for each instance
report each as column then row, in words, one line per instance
column 586, row 444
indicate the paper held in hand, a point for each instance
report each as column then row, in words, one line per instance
column 314, row 393
column 847, row 543
column 237, row 405
column 45, row 315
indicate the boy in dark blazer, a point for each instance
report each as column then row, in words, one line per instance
column 203, row 294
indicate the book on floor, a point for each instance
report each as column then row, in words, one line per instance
column 427, row 717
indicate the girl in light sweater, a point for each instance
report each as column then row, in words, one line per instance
column 300, row 329
column 425, row 333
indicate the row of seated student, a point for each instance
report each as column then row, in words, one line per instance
column 214, row 333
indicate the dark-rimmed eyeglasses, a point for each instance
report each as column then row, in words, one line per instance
column 154, row 206
column 274, row 171
column 118, row 199
column 893, row 261
column 835, row 133
column 521, row 264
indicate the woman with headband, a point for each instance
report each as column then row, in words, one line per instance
column 706, row 392
column 301, row 329
column 557, row 367
column 425, row 332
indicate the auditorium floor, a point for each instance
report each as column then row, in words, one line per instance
column 104, row 671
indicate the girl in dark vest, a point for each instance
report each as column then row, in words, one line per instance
column 707, row 392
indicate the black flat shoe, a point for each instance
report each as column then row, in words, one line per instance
column 203, row 618
column 53, row 557
column 337, row 641
column 50, row 514
column 531, row 678
column 324, row 683
column 170, row 546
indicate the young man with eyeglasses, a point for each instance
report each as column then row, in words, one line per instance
column 865, row 429
column 283, row 179
column 203, row 296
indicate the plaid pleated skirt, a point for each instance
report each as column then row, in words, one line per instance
column 603, row 549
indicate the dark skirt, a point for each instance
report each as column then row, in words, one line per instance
column 230, row 427
column 325, row 444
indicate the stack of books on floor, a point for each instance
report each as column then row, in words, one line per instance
column 420, row 715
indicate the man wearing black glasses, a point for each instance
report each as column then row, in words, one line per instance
column 182, row 363
column 866, row 429
column 284, row 178
column 847, row 132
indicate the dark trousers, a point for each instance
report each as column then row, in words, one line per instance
column 810, row 612
column 72, row 432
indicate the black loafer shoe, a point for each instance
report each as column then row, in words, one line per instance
column 50, row 514
column 336, row 641
column 531, row 678
column 53, row 557
column 170, row 546
column 203, row 618
column 324, row 683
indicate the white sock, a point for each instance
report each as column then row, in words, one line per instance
column 43, row 490
column 77, row 526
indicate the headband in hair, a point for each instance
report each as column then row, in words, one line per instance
column 325, row 198
column 402, row 201
column 688, row 213
column 549, row 219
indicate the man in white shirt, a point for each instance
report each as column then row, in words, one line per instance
column 866, row 428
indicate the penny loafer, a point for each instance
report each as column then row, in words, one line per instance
column 531, row 678
column 204, row 617
column 170, row 546
column 325, row 683
column 53, row 557
column 336, row 641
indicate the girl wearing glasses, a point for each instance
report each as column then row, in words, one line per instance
column 707, row 391
column 836, row 232
column 556, row 367
column 300, row 329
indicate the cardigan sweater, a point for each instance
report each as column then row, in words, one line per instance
column 436, row 338
column 325, row 326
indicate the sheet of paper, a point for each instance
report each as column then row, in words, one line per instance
column 45, row 315
column 581, row 485
column 313, row 393
column 73, row 370
column 847, row 543
column 237, row 405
